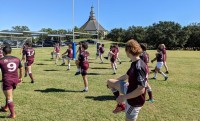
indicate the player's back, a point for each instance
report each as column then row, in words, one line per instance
column 9, row 66
column 30, row 53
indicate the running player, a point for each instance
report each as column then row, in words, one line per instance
column 118, row 59
column 9, row 66
column 163, row 49
column 133, row 92
column 159, row 58
column 29, row 57
column 68, row 54
column 145, row 57
column 84, row 65
column 57, row 51
column 113, row 54
column 101, row 51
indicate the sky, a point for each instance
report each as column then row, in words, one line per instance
column 57, row 14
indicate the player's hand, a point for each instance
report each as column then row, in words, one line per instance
column 121, row 99
column 151, row 61
column 20, row 80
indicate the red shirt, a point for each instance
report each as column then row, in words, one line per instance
column 69, row 53
column 57, row 48
column 9, row 66
column 30, row 53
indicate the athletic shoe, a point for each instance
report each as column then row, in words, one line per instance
column 119, row 108
column 166, row 78
column 25, row 75
column 85, row 90
column 62, row 64
column 153, row 70
column 4, row 109
column 68, row 69
column 151, row 100
column 106, row 58
column 11, row 116
column 77, row 73
column 32, row 81
column 153, row 78
column 120, row 62
column 114, row 73
column 167, row 72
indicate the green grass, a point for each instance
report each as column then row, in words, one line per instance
column 56, row 96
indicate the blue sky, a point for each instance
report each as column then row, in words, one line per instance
column 57, row 14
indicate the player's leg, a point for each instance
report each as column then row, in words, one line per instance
column 166, row 67
column 85, row 80
column 56, row 61
column 101, row 57
column 68, row 64
column 132, row 112
column 78, row 67
column 30, row 74
column 149, row 91
column 4, row 108
column 164, row 75
column 9, row 96
column 118, row 59
column 26, row 69
column 63, row 60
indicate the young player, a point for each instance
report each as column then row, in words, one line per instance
column 29, row 57
column 68, row 54
column 133, row 92
column 113, row 54
column 101, row 51
column 159, row 58
column 109, row 55
column 80, row 49
column 9, row 66
column 57, row 51
column 84, row 65
column 163, row 49
column 118, row 59
column 145, row 57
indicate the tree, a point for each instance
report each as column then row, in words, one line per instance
column 20, row 28
column 117, row 35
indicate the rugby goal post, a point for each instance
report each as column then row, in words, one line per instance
column 13, row 41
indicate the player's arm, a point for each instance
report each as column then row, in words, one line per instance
column 153, row 60
column 64, row 53
column 112, row 53
column 20, row 74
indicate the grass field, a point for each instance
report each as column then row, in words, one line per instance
column 56, row 95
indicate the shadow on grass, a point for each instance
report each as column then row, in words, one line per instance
column 48, row 90
column 41, row 64
column 49, row 60
column 101, row 98
column 94, row 74
column 3, row 116
column 51, row 70
column 100, row 68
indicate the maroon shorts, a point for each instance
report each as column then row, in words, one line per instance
column 84, row 68
column 7, row 85
column 29, row 62
column 112, row 60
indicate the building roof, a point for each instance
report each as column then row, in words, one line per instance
column 92, row 24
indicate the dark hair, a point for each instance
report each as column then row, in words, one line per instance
column 85, row 46
column 7, row 49
column 28, row 43
column 143, row 46
column 102, row 45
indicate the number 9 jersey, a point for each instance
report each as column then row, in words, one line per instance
column 9, row 66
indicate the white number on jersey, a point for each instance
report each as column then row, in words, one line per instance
column 30, row 53
column 11, row 66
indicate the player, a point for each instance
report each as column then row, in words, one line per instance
column 29, row 57
column 80, row 49
column 84, row 65
column 159, row 58
column 68, row 54
column 133, row 92
column 145, row 57
column 113, row 55
column 163, row 49
column 118, row 59
column 9, row 66
column 57, row 51
column 101, row 51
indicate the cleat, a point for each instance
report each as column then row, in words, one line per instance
column 32, row 81
column 11, row 116
column 106, row 58
column 153, row 70
column 85, row 90
column 151, row 100
column 119, row 108
column 77, row 73
column 153, row 78
column 167, row 72
column 68, row 69
column 114, row 73
column 166, row 78
column 62, row 64
column 120, row 62
column 4, row 109
column 25, row 75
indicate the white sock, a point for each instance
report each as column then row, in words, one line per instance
column 155, row 75
column 163, row 74
column 68, row 66
column 86, row 88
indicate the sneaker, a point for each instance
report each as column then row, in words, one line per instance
column 106, row 58
column 167, row 72
column 62, row 64
column 153, row 70
column 153, row 78
column 166, row 78
column 151, row 100
column 68, row 69
column 25, row 75
column 114, row 73
column 4, row 109
column 11, row 116
column 77, row 73
column 120, row 62
column 32, row 81
column 119, row 108
column 85, row 90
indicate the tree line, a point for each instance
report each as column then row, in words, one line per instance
column 172, row 34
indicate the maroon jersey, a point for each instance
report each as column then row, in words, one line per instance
column 83, row 58
column 9, row 66
column 30, row 53
column 137, row 76
column 164, row 54
column 101, row 49
column 159, row 57
column 114, row 57
column 1, row 53
column 57, row 48
column 145, row 57
column 69, row 53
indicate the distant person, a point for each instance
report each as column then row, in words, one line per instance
column 67, row 55
column 9, row 66
column 159, row 58
column 84, row 65
column 145, row 57
column 53, row 53
column 133, row 91
column 29, row 57
column 57, row 51
column 163, row 49
column 113, row 57
column 118, row 59
column 101, row 52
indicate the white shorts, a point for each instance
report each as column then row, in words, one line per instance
column 131, row 112
column 159, row 65
column 57, row 54
column 66, row 57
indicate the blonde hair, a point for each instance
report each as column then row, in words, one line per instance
column 133, row 47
